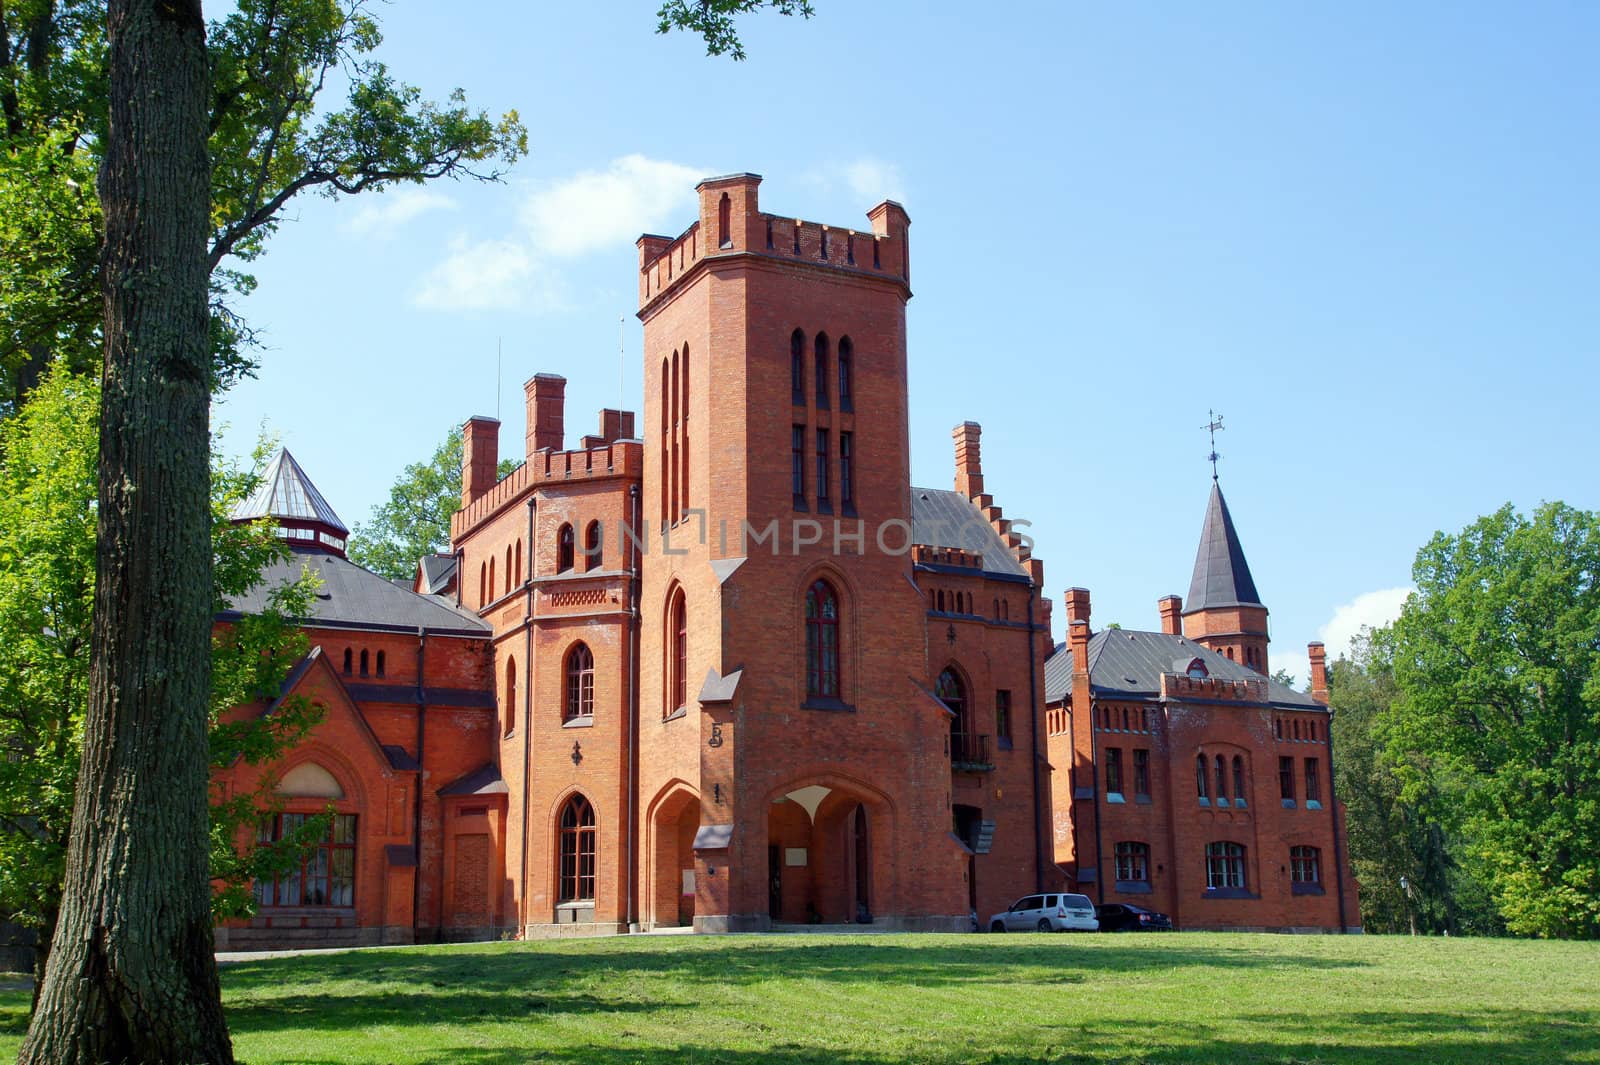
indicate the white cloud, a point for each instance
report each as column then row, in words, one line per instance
column 868, row 181
column 486, row 275
column 394, row 208
column 1369, row 610
column 597, row 208
column 874, row 181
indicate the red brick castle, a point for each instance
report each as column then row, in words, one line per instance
column 739, row 673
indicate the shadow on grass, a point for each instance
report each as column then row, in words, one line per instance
column 1502, row 1037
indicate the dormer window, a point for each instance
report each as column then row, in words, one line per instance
column 1197, row 670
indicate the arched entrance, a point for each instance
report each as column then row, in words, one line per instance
column 673, row 823
column 823, row 853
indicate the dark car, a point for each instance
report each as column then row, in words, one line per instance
column 1116, row 917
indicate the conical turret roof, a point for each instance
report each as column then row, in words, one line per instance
column 286, row 492
column 1221, row 574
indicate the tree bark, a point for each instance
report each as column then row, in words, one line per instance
column 131, row 976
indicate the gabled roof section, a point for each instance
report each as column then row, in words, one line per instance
column 314, row 659
column 1124, row 664
column 946, row 519
column 485, row 780
column 286, row 492
column 356, row 598
column 434, row 573
column 1221, row 575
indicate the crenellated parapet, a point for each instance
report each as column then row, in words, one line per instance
column 731, row 223
column 1182, row 686
column 621, row 458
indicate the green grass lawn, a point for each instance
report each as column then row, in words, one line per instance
column 866, row 1000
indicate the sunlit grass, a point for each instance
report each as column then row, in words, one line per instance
column 865, row 1000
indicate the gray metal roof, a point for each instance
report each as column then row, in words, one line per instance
column 1126, row 664
column 354, row 597
column 1221, row 575
column 947, row 519
column 485, row 780
column 286, row 492
column 436, row 572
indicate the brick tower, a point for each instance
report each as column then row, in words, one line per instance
column 1224, row 612
column 790, row 767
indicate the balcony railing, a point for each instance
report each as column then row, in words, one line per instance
column 969, row 752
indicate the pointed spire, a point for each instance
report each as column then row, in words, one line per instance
column 287, row 496
column 1221, row 574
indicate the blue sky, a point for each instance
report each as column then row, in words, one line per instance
column 1367, row 234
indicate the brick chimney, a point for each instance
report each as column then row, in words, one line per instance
column 969, row 465
column 1319, row 671
column 1078, row 628
column 480, row 457
column 1171, row 607
column 547, row 400
column 614, row 425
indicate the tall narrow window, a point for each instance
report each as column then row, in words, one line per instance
column 1133, row 862
column 1222, row 781
column 483, row 587
column 1002, row 717
column 847, row 358
column 797, row 368
column 576, row 848
column 511, row 696
column 1313, row 782
column 822, row 641
column 1305, row 865
column 580, row 684
column 511, row 574
column 593, row 538
column 565, row 549
column 517, row 580
column 678, row 653
column 1200, row 774
column 953, row 693
column 797, row 465
column 363, row 663
column 491, row 585
column 381, row 671
column 347, row 657
column 847, row 471
column 1225, row 865
column 666, row 448
column 1238, row 781
column 674, row 509
column 683, row 439
column 822, row 469
column 1114, row 771
column 820, row 365
column 769, row 234
column 1141, row 772
column 1286, row 779
column 725, row 222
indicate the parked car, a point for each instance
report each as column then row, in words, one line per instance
column 1047, row 913
column 1117, row 917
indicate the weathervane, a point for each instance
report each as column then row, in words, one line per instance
column 1212, row 426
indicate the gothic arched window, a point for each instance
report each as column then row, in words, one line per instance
column 677, row 653
column 846, row 371
column 564, row 549
column 822, row 640
column 576, row 848
column 580, row 683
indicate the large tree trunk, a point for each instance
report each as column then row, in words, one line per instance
column 131, row 976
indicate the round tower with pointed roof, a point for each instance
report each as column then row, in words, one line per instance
column 1224, row 612
column 287, row 498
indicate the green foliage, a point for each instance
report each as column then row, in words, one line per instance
column 1495, row 724
column 716, row 20
column 47, row 559
column 416, row 519
column 274, row 133
column 47, row 485
column 1283, row 677
column 1392, row 841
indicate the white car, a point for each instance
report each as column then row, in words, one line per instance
column 1047, row 913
